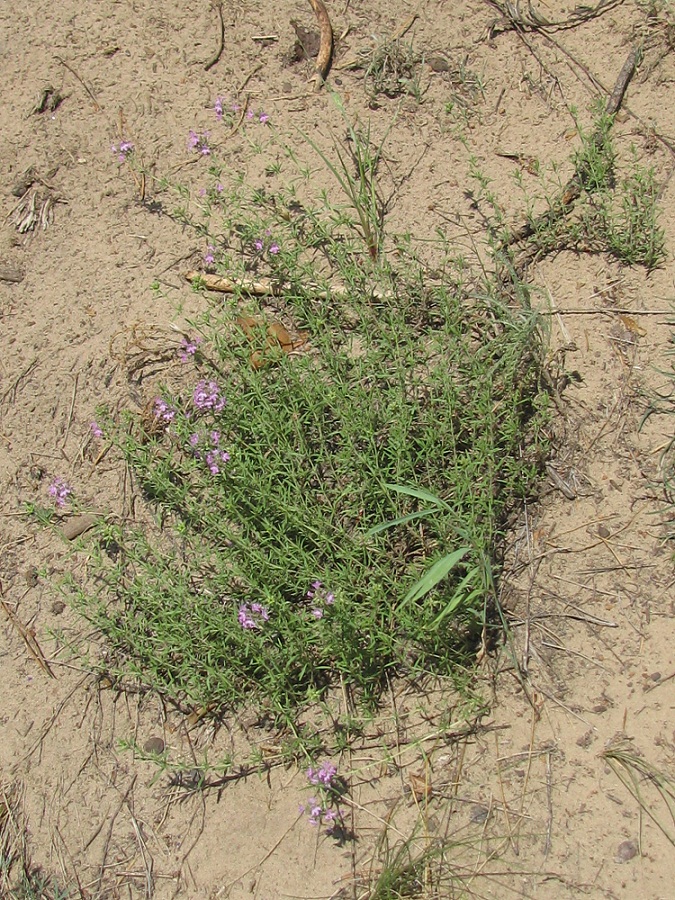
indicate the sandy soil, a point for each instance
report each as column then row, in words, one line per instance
column 532, row 805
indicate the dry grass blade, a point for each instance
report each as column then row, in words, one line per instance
column 635, row 773
column 12, row 839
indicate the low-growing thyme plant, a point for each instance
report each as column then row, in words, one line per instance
column 272, row 460
column 617, row 209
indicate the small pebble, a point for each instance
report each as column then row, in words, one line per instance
column 31, row 576
column 655, row 676
column 438, row 64
column 603, row 531
column 478, row 813
column 154, row 745
column 57, row 607
column 626, row 851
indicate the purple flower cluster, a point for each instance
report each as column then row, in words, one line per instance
column 259, row 245
column 122, row 150
column 199, row 143
column 212, row 454
column 317, row 813
column 188, row 348
column 163, row 411
column 323, row 776
column 60, row 490
column 96, row 429
column 320, row 598
column 252, row 616
column 207, row 396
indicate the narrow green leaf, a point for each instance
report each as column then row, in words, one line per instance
column 460, row 597
column 376, row 529
column 420, row 493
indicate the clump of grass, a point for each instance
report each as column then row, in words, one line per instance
column 392, row 70
column 617, row 212
column 467, row 89
column 662, row 402
column 642, row 779
column 270, row 465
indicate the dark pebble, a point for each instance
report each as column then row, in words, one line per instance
column 154, row 745
column 57, row 607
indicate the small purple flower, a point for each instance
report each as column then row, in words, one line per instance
column 274, row 249
column 219, row 188
column 60, row 490
column 194, row 440
column 318, row 814
column 313, row 809
column 213, row 458
column 258, row 244
column 122, row 150
column 199, row 142
column 209, row 256
column 163, row 411
column 321, row 598
column 260, row 611
column 264, row 118
column 188, row 347
column 249, row 114
column 96, row 430
column 251, row 617
column 323, row 776
column 207, row 396
column 218, row 108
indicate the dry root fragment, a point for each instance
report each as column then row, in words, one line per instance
column 325, row 56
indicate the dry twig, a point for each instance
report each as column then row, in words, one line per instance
column 263, row 287
column 221, row 40
column 29, row 639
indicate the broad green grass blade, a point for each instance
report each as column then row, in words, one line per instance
column 435, row 575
